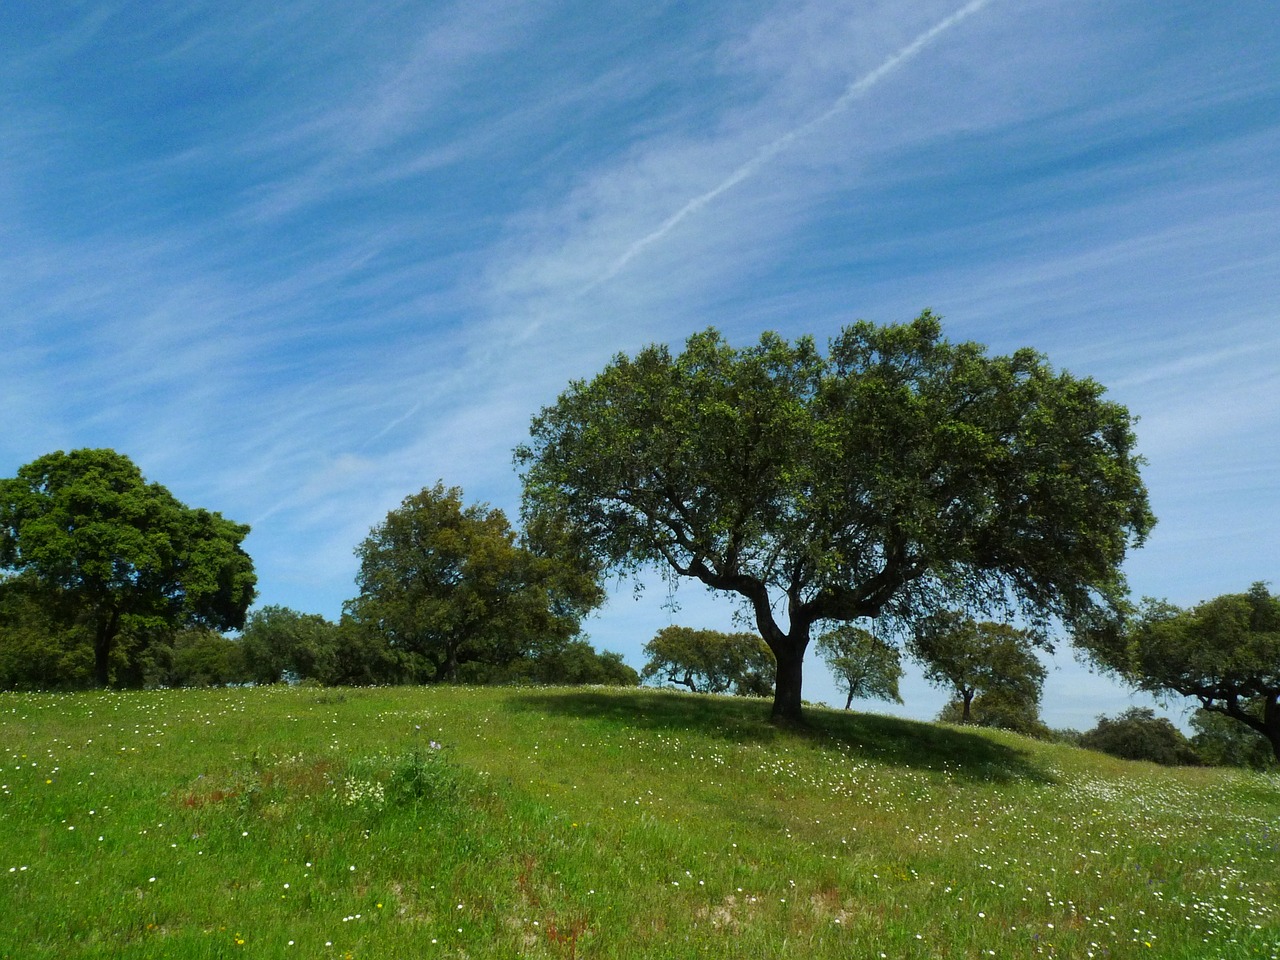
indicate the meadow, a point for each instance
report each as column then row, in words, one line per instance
column 484, row 822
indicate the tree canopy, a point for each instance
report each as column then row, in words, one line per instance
column 708, row 661
column 1224, row 652
column 283, row 644
column 896, row 475
column 123, row 557
column 993, row 660
column 866, row 667
column 1138, row 734
column 446, row 584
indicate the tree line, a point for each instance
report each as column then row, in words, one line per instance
column 898, row 479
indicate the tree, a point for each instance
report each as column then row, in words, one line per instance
column 990, row 659
column 1004, row 711
column 864, row 665
column 132, row 559
column 205, row 658
column 1138, row 734
column 283, row 644
column 1225, row 742
column 574, row 662
column 708, row 661
column 899, row 474
column 447, row 584
column 1224, row 652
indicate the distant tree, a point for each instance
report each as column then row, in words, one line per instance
column 446, row 584
column 898, row 475
column 1224, row 652
column 205, row 658
column 133, row 560
column 972, row 658
column 577, row 662
column 708, row 661
column 1138, row 734
column 1000, row 709
column 1225, row 742
column 362, row 657
column 865, row 666
column 283, row 644
column 571, row 663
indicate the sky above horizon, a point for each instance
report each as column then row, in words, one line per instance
column 300, row 260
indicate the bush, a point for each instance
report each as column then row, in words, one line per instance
column 1138, row 734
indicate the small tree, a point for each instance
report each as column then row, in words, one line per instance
column 446, row 584
column 134, row 561
column 205, row 658
column 1224, row 652
column 708, row 661
column 974, row 658
column 1001, row 710
column 1138, row 734
column 283, row 644
column 895, row 476
column 865, row 666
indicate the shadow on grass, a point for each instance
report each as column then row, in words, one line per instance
column 969, row 756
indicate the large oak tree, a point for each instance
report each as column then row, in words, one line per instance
column 125, row 554
column 896, row 475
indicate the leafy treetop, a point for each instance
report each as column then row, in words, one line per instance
column 708, row 661
column 866, row 667
column 127, row 552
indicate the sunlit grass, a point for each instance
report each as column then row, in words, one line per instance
column 502, row 823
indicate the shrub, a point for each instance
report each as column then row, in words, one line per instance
column 1138, row 734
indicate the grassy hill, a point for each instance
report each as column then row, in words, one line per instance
column 430, row 822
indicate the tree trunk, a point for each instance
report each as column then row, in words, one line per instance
column 1271, row 724
column 1268, row 726
column 848, row 702
column 967, row 696
column 786, row 690
column 103, row 640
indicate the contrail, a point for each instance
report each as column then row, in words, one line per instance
column 772, row 149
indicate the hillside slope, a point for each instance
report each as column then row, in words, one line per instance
column 589, row 823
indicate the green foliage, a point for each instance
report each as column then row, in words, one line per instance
column 283, row 644
column 899, row 474
column 570, row 663
column 1138, row 734
column 1224, row 652
column 708, row 661
column 205, row 658
column 443, row 585
column 1225, row 742
column 43, row 644
column 126, row 560
column 994, row 660
column 865, row 666
column 576, row 662
column 1001, row 710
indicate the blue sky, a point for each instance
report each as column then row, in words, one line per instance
column 301, row 259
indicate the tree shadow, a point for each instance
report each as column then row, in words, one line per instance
column 964, row 755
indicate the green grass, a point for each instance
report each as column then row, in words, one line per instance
column 299, row 823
